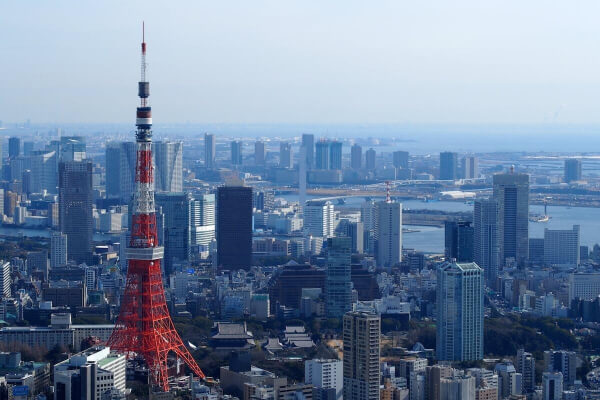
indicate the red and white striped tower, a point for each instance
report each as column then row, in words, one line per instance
column 144, row 327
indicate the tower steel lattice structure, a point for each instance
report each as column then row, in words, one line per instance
column 144, row 327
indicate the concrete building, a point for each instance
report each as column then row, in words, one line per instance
column 564, row 362
column 459, row 312
column 356, row 156
column 120, row 170
column 75, row 204
column 209, row 151
column 5, row 280
column 561, row 246
column 325, row 374
column 175, row 208
column 526, row 367
column 461, row 387
column 470, row 167
column 236, row 152
column 322, row 158
column 400, row 159
column 361, row 333
column 286, row 159
column 370, row 159
column 58, row 250
column 308, row 141
column 90, row 375
column 234, row 227
column 552, row 386
column 572, row 170
column 389, row 234
column 202, row 220
column 14, row 147
column 433, row 380
column 511, row 191
column 510, row 382
column 259, row 153
column 486, row 251
column 319, row 218
column 584, row 286
column 335, row 155
column 338, row 284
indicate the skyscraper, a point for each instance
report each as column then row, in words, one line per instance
column 389, row 233
column 572, row 170
column 485, row 241
column 14, row 147
column 319, row 218
column 168, row 159
column 561, row 246
column 511, row 191
column 563, row 362
column 400, row 159
column 236, row 152
column 72, row 148
column 175, row 208
column 322, row 155
column 361, row 334
column 75, row 198
column 58, row 250
column 370, row 156
column 234, row 227
column 459, row 241
column 356, row 156
column 552, row 386
column 44, row 173
column 120, row 170
column 526, row 367
column 5, row 280
column 470, row 167
column 448, row 166
column 202, row 220
column 335, row 155
column 285, row 155
column 308, row 141
column 259, row 153
column 338, row 284
column 325, row 374
column 209, row 150
column 459, row 302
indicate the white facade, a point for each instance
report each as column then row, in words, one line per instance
column 319, row 218
column 58, row 250
column 5, row 279
column 389, row 234
column 325, row 374
column 202, row 220
column 585, row 286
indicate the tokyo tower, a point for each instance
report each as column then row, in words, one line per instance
column 144, row 327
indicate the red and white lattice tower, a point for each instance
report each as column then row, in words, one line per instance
column 144, row 327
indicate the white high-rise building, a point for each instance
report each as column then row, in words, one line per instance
column 5, row 279
column 459, row 312
column 584, row 286
column 58, row 250
column 202, row 220
column 319, row 217
column 389, row 233
column 561, row 246
column 168, row 159
column 325, row 374
column 362, row 334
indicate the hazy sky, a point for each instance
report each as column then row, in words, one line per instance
column 303, row 61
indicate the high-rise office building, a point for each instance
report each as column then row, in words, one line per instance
column 485, row 238
column 28, row 148
column 552, row 386
column 236, row 152
column 335, row 155
column 433, row 379
column 325, row 375
column 308, row 141
column 370, row 157
column 400, row 159
column 168, row 160
column 322, row 155
column 58, row 250
column 458, row 387
column 511, row 191
column 561, row 246
column 286, row 159
column 338, row 284
column 389, row 233
column 75, row 199
column 5, row 280
column 44, row 173
column 72, row 148
column 356, row 156
column 319, row 218
column 458, row 241
column 202, row 220
column 175, row 209
column 259, row 153
column 361, row 334
column 120, row 170
column 470, row 167
column 584, row 286
column 564, row 362
column 234, row 227
column 448, row 166
column 14, row 147
column 459, row 296
column 525, row 365
column 209, row 150
column 572, row 170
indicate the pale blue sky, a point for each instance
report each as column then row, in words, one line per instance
column 303, row 61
